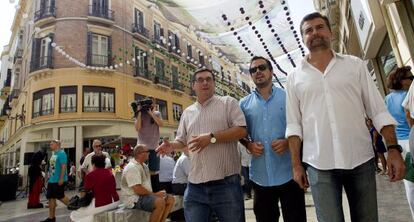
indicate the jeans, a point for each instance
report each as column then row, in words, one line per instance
column 224, row 197
column 292, row 200
column 360, row 187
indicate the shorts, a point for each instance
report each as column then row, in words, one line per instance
column 54, row 191
column 153, row 161
column 146, row 203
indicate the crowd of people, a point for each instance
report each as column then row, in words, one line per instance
column 282, row 141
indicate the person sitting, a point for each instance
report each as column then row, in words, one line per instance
column 102, row 183
column 136, row 190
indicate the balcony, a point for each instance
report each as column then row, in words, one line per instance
column 45, row 62
column 101, row 14
column 177, row 86
column 142, row 73
column 140, row 31
column 44, row 15
column 157, row 40
column 98, row 60
column 162, row 80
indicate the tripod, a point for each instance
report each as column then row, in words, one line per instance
column 25, row 189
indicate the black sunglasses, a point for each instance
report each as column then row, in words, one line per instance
column 409, row 77
column 253, row 70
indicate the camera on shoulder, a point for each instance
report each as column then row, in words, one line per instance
column 146, row 104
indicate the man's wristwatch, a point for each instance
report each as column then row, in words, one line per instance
column 213, row 139
column 396, row 147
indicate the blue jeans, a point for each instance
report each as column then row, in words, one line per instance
column 360, row 187
column 223, row 197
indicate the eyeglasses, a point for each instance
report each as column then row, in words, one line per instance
column 201, row 80
column 253, row 70
column 408, row 77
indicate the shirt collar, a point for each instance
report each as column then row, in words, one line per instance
column 335, row 56
column 206, row 102
column 271, row 94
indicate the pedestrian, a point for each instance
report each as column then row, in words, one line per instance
column 328, row 97
column 211, row 127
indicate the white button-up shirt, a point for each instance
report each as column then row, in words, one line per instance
column 327, row 111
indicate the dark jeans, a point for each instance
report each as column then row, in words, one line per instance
column 266, row 200
column 247, row 187
column 360, row 189
column 223, row 197
column 155, row 183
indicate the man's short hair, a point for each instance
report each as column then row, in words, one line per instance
column 99, row 161
column 395, row 78
column 138, row 149
column 56, row 141
column 312, row 16
column 96, row 141
column 203, row 70
column 269, row 64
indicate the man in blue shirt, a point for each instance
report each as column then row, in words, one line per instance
column 58, row 178
column 271, row 169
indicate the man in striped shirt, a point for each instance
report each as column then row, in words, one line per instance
column 211, row 128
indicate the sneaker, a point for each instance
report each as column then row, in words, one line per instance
column 49, row 220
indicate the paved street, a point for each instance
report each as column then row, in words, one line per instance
column 392, row 203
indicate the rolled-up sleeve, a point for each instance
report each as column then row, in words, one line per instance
column 181, row 131
column 235, row 113
column 373, row 102
column 293, row 113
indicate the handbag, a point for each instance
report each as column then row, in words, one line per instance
column 73, row 203
column 86, row 200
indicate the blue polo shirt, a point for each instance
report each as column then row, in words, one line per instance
column 266, row 121
column 394, row 105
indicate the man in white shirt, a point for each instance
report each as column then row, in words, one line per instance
column 136, row 190
column 180, row 174
column 97, row 149
column 167, row 164
column 328, row 97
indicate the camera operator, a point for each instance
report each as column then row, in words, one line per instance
column 147, row 124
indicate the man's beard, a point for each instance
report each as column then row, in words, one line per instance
column 321, row 44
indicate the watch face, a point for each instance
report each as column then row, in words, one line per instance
column 213, row 140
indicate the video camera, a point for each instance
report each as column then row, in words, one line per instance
column 146, row 104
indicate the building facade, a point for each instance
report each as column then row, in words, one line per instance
column 73, row 67
column 379, row 31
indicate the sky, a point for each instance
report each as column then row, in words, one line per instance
column 298, row 8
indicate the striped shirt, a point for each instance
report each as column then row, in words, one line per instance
column 217, row 160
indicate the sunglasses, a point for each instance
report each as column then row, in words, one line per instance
column 146, row 151
column 409, row 77
column 253, row 70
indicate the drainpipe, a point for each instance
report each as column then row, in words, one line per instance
column 391, row 34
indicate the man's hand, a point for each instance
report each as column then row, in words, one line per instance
column 255, row 148
column 300, row 177
column 60, row 182
column 161, row 194
column 280, row 145
column 198, row 143
column 165, row 148
column 396, row 165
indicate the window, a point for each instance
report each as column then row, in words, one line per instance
column 99, row 50
column 139, row 97
column 162, row 108
column 141, row 64
column 138, row 18
column 158, row 32
column 45, row 8
column 174, row 72
column 68, row 99
column 177, row 111
column 201, row 58
column 98, row 99
column 189, row 51
column 100, row 8
column 174, row 42
column 159, row 67
column 43, row 102
column 41, row 53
